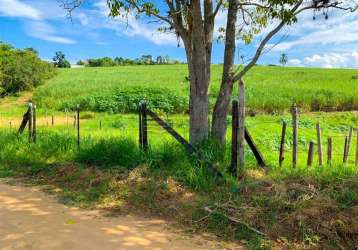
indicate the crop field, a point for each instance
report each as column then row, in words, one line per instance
column 269, row 89
column 109, row 171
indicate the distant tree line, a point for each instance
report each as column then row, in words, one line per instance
column 120, row 61
column 21, row 69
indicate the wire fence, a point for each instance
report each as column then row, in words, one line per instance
column 266, row 134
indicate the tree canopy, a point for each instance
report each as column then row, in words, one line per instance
column 21, row 69
column 60, row 60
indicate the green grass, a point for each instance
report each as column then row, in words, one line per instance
column 109, row 171
column 269, row 89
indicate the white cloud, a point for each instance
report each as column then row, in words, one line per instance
column 39, row 13
column 294, row 62
column 328, row 60
column 341, row 34
column 83, row 19
column 15, row 8
column 43, row 31
column 333, row 60
column 133, row 28
column 130, row 26
column 341, row 28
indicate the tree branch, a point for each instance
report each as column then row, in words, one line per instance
column 217, row 8
column 239, row 74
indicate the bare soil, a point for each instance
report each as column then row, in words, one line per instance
column 31, row 219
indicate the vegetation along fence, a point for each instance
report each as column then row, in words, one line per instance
column 288, row 138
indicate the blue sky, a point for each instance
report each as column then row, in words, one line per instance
column 42, row 24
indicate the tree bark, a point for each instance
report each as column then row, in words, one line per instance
column 221, row 108
column 196, row 48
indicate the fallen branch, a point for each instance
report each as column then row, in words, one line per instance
column 232, row 219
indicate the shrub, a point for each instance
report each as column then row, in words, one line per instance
column 101, row 62
column 21, row 70
column 126, row 99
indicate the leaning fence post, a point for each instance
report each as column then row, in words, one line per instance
column 295, row 135
column 357, row 150
column 319, row 144
column 329, row 151
column 241, row 131
column 234, row 137
column 345, row 149
column 310, row 154
column 350, row 135
column 30, row 122
column 78, row 126
column 282, row 144
column 144, row 126
column 34, row 124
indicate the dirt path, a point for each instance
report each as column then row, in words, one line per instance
column 30, row 219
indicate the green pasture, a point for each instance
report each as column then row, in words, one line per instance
column 269, row 89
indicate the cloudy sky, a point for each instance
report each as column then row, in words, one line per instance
column 42, row 24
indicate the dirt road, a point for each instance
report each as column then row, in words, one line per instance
column 30, row 219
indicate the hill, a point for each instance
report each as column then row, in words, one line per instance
column 269, row 89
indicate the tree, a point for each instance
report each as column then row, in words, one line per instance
column 80, row 63
column 283, row 59
column 21, row 70
column 193, row 23
column 147, row 59
column 160, row 60
column 119, row 60
column 60, row 60
column 32, row 50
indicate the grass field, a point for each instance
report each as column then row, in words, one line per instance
column 109, row 171
column 269, row 89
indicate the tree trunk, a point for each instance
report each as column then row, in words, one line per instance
column 199, row 106
column 221, row 108
column 198, row 62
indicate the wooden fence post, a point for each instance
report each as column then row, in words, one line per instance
column 282, row 144
column 140, row 134
column 357, row 150
column 329, row 151
column 10, row 125
column 348, row 145
column 319, row 144
column 310, row 154
column 66, row 112
column 100, row 124
column 53, row 120
column 34, row 124
column 144, row 126
column 241, row 130
column 78, row 126
column 46, row 118
column 295, row 135
column 234, row 137
column 30, row 122
column 345, row 149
